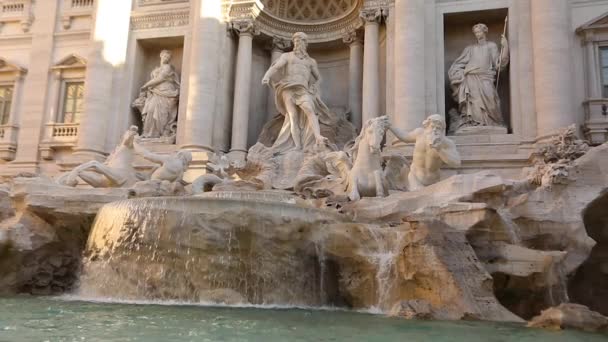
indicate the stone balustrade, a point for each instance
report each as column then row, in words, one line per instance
column 8, row 142
column 76, row 8
column 17, row 11
column 58, row 135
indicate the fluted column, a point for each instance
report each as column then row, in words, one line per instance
column 355, row 77
column 552, row 65
column 371, row 64
column 279, row 45
column 242, row 89
column 409, row 65
column 198, row 121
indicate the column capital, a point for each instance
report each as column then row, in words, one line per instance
column 245, row 27
column 371, row 15
column 352, row 37
column 279, row 43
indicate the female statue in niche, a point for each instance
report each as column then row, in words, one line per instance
column 158, row 100
column 472, row 78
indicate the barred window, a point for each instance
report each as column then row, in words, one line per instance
column 73, row 102
column 604, row 66
column 6, row 96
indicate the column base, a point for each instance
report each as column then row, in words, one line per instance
column 196, row 147
column 239, row 156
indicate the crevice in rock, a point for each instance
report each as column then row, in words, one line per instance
column 589, row 285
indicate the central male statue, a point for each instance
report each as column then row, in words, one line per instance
column 295, row 78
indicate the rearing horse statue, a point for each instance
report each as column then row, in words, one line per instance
column 116, row 172
column 366, row 178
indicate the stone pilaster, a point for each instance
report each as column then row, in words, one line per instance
column 32, row 112
column 371, row 63
column 107, row 53
column 355, row 83
column 552, row 66
column 409, row 64
column 242, row 88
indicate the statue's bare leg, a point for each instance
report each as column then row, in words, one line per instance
column 95, row 180
column 114, row 178
column 292, row 110
column 354, row 194
column 313, row 120
column 379, row 179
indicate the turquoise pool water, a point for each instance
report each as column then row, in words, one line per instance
column 55, row 319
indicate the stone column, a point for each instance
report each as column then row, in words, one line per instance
column 54, row 98
column 527, row 104
column 13, row 119
column 593, row 83
column 409, row 64
column 355, row 79
column 242, row 89
column 390, row 62
column 205, row 56
column 279, row 45
column 371, row 64
column 552, row 65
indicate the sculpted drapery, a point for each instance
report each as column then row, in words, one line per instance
column 472, row 78
column 158, row 103
column 295, row 77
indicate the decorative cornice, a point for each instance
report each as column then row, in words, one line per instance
column 271, row 26
column 160, row 19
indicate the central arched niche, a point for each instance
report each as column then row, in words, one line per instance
column 322, row 20
column 309, row 10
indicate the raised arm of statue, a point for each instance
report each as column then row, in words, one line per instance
column 280, row 63
column 406, row 137
column 150, row 156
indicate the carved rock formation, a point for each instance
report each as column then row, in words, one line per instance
column 570, row 316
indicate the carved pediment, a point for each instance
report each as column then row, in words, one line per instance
column 6, row 66
column 72, row 61
column 600, row 22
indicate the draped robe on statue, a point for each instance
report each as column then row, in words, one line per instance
column 472, row 78
column 160, row 109
column 293, row 84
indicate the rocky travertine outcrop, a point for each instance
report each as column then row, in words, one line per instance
column 458, row 245
column 570, row 316
column 42, row 241
column 265, row 249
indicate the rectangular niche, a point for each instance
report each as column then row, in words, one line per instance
column 458, row 35
column 147, row 58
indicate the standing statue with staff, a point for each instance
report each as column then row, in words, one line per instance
column 474, row 78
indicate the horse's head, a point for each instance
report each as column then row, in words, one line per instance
column 129, row 136
column 373, row 133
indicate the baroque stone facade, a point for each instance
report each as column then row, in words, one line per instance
column 70, row 70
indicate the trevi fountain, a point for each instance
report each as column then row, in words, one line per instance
column 304, row 170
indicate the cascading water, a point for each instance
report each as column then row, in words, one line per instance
column 238, row 248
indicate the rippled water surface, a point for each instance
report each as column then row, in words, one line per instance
column 36, row 319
